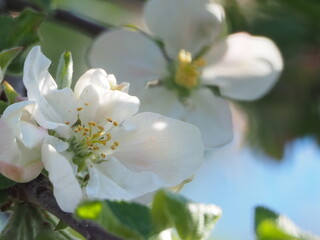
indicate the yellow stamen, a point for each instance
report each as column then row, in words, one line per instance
column 188, row 71
column 116, row 143
column 109, row 119
column 115, row 124
column 79, row 109
column 67, row 123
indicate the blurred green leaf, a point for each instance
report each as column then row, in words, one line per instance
column 6, row 57
column 127, row 220
column 192, row 221
column 169, row 210
column 3, row 106
column 272, row 226
column 5, row 182
column 65, row 71
column 60, row 226
column 29, row 222
column 20, row 31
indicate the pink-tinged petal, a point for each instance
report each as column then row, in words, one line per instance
column 19, row 119
column 20, row 143
column 150, row 142
column 66, row 188
column 21, row 174
column 244, row 67
column 184, row 24
column 211, row 115
column 112, row 180
column 130, row 56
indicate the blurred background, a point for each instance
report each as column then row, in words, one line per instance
column 274, row 159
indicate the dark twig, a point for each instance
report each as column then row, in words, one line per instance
column 89, row 27
column 39, row 193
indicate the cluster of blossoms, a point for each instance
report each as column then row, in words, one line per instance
column 186, row 67
column 91, row 141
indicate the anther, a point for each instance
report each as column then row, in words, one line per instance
column 103, row 155
column 109, row 136
column 109, row 119
column 92, row 123
column 113, row 147
column 116, row 143
column 87, row 104
column 115, row 123
column 100, row 127
column 79, row 109
column 67, row 123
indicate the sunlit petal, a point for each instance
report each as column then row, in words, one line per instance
column 170, row 148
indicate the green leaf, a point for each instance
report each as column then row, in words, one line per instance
column 137, row 222
column 20, row 31
column 60, row 226
column 29, row 222
column 6, row 57
column 65, row 70
column 126, row 220
column 192, row 221
column 272, row 226
column 5, row 182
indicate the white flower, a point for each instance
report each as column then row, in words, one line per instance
column 193, row 58
column 100, row 147
column 20, row 143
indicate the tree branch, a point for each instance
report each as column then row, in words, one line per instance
column 83, row 24
column 40, row 194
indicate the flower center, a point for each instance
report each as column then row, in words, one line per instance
column 91, row 142
column 187, row 71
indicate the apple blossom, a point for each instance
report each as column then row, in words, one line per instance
column 190, row 61
column 20, row 143
column 99, row 146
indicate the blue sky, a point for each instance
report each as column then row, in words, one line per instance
column 238, row 179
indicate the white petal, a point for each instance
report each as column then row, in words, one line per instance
column 162, row 101
column 111, row 104
column 66, row 188
column 53, row 107
column 20, row 143
column 112, row 180
column 170, row 148
column 243, row 67
column 130, row 56
column 209, row 113
column 184, row 24
column 97, row 78
column 212, row 115
column 36, row 77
